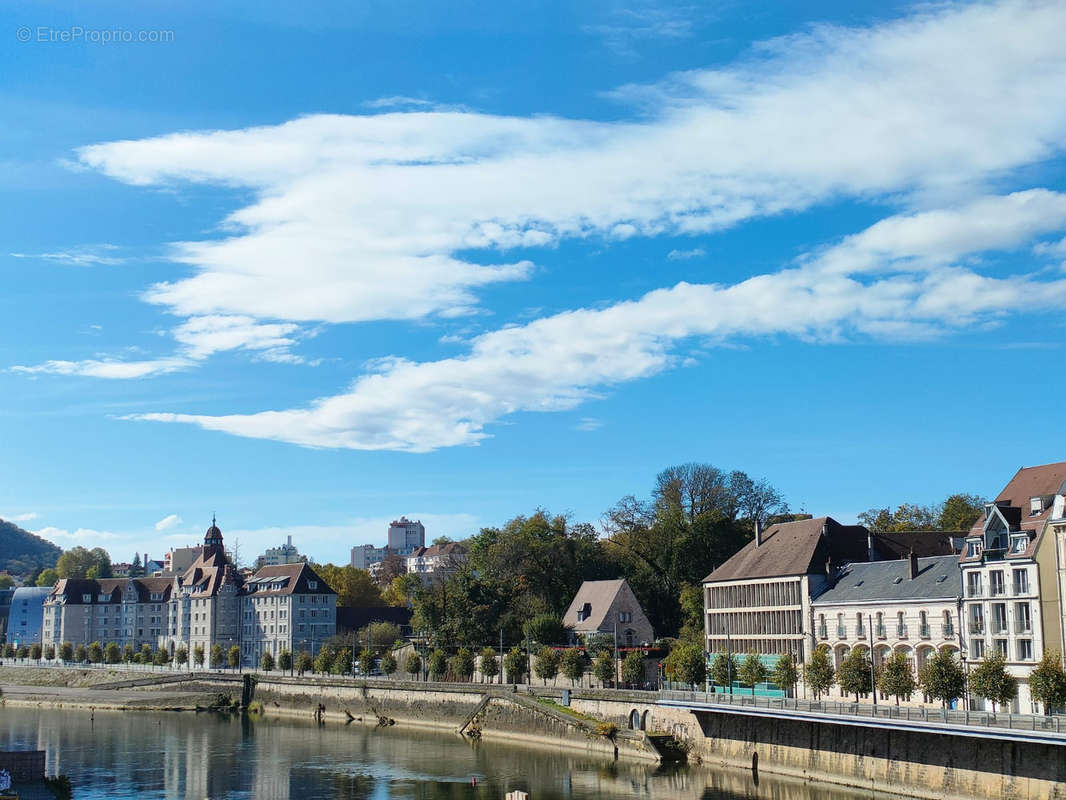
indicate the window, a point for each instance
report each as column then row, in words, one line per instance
column 1023, row 622
column 1021, row 581
column 625, row 616
column 977, row 648
column 1025, row 649
column 995, row 582
column 312, row 585
column 973, row 584
column 1001, row 647
column 86, row 598
column 999, row 618
column 584, row 612
column 1018, row 544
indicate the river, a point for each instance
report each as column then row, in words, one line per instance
column 195, row 756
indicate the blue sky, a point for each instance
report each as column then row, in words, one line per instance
column 312, row 269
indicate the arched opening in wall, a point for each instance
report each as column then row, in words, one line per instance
column 644, row 721
column 840, row 652
column 922, row 654
column 881, row 652
column 634, row 720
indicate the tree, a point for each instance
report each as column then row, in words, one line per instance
column 324, row 661
column 354, row 587
column 402, row 591
column 76, row 563
column 66, row 652
column 6, row 581
column 23, row 651
column 379, row 635
column 463, row 664
column 233, row 657
column 162, row 656
column 49, row 653
column 547, row 666
column 391, row 567
column 216, row 655
column 724, row 670
column 47, row 577
column 572, row 664
column 960, row 511
column 490, row 665
column 438, row 664
column 545, row 629
column 81, row 655
column 990, row 680
column 127, row 653
column 515, row 664
column 388, row 664
column 604, row 669
column 785, row 673
column 690, row 663
column 942, row 678
column 181, row 656
column 413, row 665
column 266, row 662
column 35, row 651
column 897, row 677
column 198, row 655
column 854, row 676
column 96, row 652
column 818, row 672
column 633, row 668
column 284, row 660
column 1047, row 682
column 304, row 662
column 146, row 654
column 366, row 661
column 691, row 614
column 136, row 570
column 752, row 671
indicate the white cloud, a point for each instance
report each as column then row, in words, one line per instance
column 86, row 537
column 107, row 368
column 588, row 424
column 79, row 256
column 26, row 517
column 168, row 522
column 398, row 101
column 900, row 284
column 683, row 255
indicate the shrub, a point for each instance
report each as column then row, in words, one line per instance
column 547, row 666
column 516, row 664
column 81, row 655
column 50, row 652
column 324, row 660
column 35, row 652
column 572, row 664
column 463, row 664
column 633, row 668
column 438, row 664
column 603, row 668
column 127, row 653
column 181, row 656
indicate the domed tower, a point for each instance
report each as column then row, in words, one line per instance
column 213, row 540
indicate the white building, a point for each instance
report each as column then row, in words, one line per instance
column 286, row 607
column 1002, row 589
column 910, row 606
column 280, row 555
column 436, row 560
column 403, row 538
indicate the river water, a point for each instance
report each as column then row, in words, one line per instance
column 196, row 756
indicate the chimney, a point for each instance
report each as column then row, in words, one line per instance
column 869, row 546
column 913, row 565
column 758, row 532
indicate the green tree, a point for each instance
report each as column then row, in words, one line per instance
column 724, row 670
column 354, row 587
column 572, row 664
column 216, row 655
column 388, row 663
column 23, row 652
column 379, row 635
column 266, row 662
column 545, row 629
column 136, row 570
column 48, row 577
column 284, row 660
column 633, row 668
column 181, row 656
column 854, row 676
column 942, row 678
column 81, row 655
column 160, row 657
column 691, row 614
column 547, row 666
column 6, row 581
column 516, row 665
column 897, row 677
column 49, row 652
column 233, row 657
column 438, row 664
column 960, row 511
column 198, row 656
column 1047, row 682
column 785, row 673
column 818, row 672
column 413, row 665
column 366, row 661
column 96, row 652
column 990, row 680
column 35, row 651
column 490, row 665
column 463, row 664
column 752, row 671
column 324, row 661
column 66, row 652
column 77, row 562
column 304, row 662
column 604, row 668
column 127, row 653
column 690, row 663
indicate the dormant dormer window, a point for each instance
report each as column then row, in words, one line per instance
column 86, row 598
column 157, row 595
column 1018, row 544
column 584, row 612
column 103, row 598
column 973, row 548
column 1036, row 506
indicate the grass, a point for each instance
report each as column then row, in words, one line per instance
column 545, row 701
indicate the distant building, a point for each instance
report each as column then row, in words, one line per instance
column 27, row 615
column 177, row 560
column 436, row 560
column 609, row 607
column 403, row 538
column 286, row 607
column 280, row 555
column 5, row 610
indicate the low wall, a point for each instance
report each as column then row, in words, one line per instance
column 23, row 765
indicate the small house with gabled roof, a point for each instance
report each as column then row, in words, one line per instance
column 609, row 607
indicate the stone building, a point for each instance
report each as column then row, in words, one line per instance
column 286, row 607
column 611, row 608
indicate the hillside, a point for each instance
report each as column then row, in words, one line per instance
column 22, row 552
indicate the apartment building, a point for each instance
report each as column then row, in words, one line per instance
column 124, row 610
column 403, row 537
column 286, row 607
column 1001, row 576
column 437, row 560
column 911, row 606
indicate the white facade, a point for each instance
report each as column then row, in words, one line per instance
column 764, row 616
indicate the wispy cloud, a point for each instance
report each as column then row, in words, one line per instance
column 398, row 101
column 104, row 254
column 588, row 424
column 24, row 517
column 684, row 255
column 626, row 28
column 168, row 522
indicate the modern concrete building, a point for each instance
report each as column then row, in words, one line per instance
column 25, row 622
column 282, row 554
column 1005, row 607
column 759, row 600
column 911, row 606
column 611, row 608
column 404, row 536
column 286, row 607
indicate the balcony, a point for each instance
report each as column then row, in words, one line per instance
column 860, row 632
column 1021, row 588
column 822, row 632
column 923, row 631
column 999, row 626
column 948, row 630
column 975, row 590
column 901, row 631
column 881, row 632
column 976, row 626
column 997, row 590
column 842, row 632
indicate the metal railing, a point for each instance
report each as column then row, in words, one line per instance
column 842, row 632
column 901, row 631
column 822, row 632
column 975, row 590
column 1023, row 626
column 1021, row 588
column 976, row 626
column 948, row 630
column 881, row 632
column 860, row 632
column 923, row 631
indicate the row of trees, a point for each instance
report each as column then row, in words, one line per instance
column 957, row 513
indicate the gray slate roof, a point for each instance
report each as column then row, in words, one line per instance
column 939, row 577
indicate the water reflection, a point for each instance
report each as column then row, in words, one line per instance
column 192, row 757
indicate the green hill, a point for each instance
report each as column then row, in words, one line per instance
column 21, row 552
